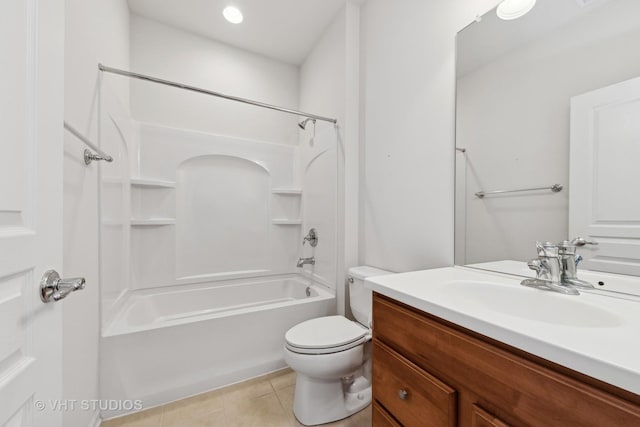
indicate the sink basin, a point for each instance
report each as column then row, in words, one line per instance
column 527, row 303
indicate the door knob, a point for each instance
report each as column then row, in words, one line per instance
column 53, row 288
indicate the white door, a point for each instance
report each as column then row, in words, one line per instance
column 31, row 107
column 604, row 202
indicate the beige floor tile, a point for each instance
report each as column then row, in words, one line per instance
column 200, row 404
column 364, row 417
column 264, row 411
column 266, row 401
column 246, row 391
column 347, row 422
column 148, row 418
column 194, row 419
column 286, row 395
column 284, row 380
column 205, row 409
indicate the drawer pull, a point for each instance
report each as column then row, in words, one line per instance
column 403, row 394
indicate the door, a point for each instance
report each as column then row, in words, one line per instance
column 31, row 107
column 604, row 203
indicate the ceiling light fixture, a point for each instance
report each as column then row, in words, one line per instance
column 232, row 14
column 514, row 9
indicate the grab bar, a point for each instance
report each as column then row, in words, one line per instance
column 555, row 188
column 89, row 156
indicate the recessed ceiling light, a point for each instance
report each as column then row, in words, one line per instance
column 514, row 9
column 232, row 14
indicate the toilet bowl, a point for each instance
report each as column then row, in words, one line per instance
column 331, row 356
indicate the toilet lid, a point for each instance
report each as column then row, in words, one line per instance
column 325, row 333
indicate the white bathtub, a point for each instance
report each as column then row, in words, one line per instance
column 170, row 343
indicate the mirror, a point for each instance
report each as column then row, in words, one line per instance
column 520, row 112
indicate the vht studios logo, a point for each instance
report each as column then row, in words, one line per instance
column 88, row 405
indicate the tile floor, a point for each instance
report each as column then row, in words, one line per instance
column 261, row 402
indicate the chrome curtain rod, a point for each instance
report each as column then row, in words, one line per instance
column 88, row 155
column 212, row 93
column 555, row 188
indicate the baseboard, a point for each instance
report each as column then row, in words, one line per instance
column 96, row 420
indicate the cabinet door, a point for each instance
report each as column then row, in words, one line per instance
column 481, row 418
column 411, row 395
column 381, row 418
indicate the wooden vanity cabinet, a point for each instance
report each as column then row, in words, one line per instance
column 382, row 418
column 429, row 372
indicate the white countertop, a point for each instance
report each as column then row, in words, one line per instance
column 596, row 333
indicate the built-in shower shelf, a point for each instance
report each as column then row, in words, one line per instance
column 111, row 223
column 151, row 182
column 112, row 180
column 291, row 191
column 152, row 222
column 287, row 222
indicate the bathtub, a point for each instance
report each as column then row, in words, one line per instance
column 169, row 343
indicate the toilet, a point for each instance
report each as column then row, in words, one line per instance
column 331, row 356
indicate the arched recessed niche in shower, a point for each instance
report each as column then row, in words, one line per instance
column 223, row 218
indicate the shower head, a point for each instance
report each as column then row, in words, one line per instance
column 303, row 124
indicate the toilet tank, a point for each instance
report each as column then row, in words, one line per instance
column 360, row 298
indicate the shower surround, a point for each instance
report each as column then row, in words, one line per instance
column 200, row 234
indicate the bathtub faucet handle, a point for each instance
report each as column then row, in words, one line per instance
column 311, row 237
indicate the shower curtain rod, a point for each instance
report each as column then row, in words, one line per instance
column 208, row 92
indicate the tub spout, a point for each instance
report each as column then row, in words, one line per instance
column 303, row 261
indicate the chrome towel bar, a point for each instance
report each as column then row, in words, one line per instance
column 555, row 188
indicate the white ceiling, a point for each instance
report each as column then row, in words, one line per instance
column 285, row 30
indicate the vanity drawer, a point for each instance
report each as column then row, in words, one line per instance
column 522, row 389
column 481, row 418
column 381, row 418
column 413, row 396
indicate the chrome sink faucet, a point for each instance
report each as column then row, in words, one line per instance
column 303, row 261
column 556, row 267
column 569, row 261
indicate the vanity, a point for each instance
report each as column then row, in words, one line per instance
column 445, row 354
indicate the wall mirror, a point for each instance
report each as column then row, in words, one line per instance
column 549, row 105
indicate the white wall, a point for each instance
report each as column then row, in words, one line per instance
column 95, row 31
column 514, row 112
column 407, row 132
column 166, row 52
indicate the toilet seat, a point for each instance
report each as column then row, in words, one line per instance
column 325, row 335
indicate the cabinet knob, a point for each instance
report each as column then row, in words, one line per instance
column 403, row 394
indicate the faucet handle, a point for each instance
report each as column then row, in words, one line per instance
column 580, row 241
column 311, row 237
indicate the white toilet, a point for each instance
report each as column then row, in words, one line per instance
column 331, row 356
